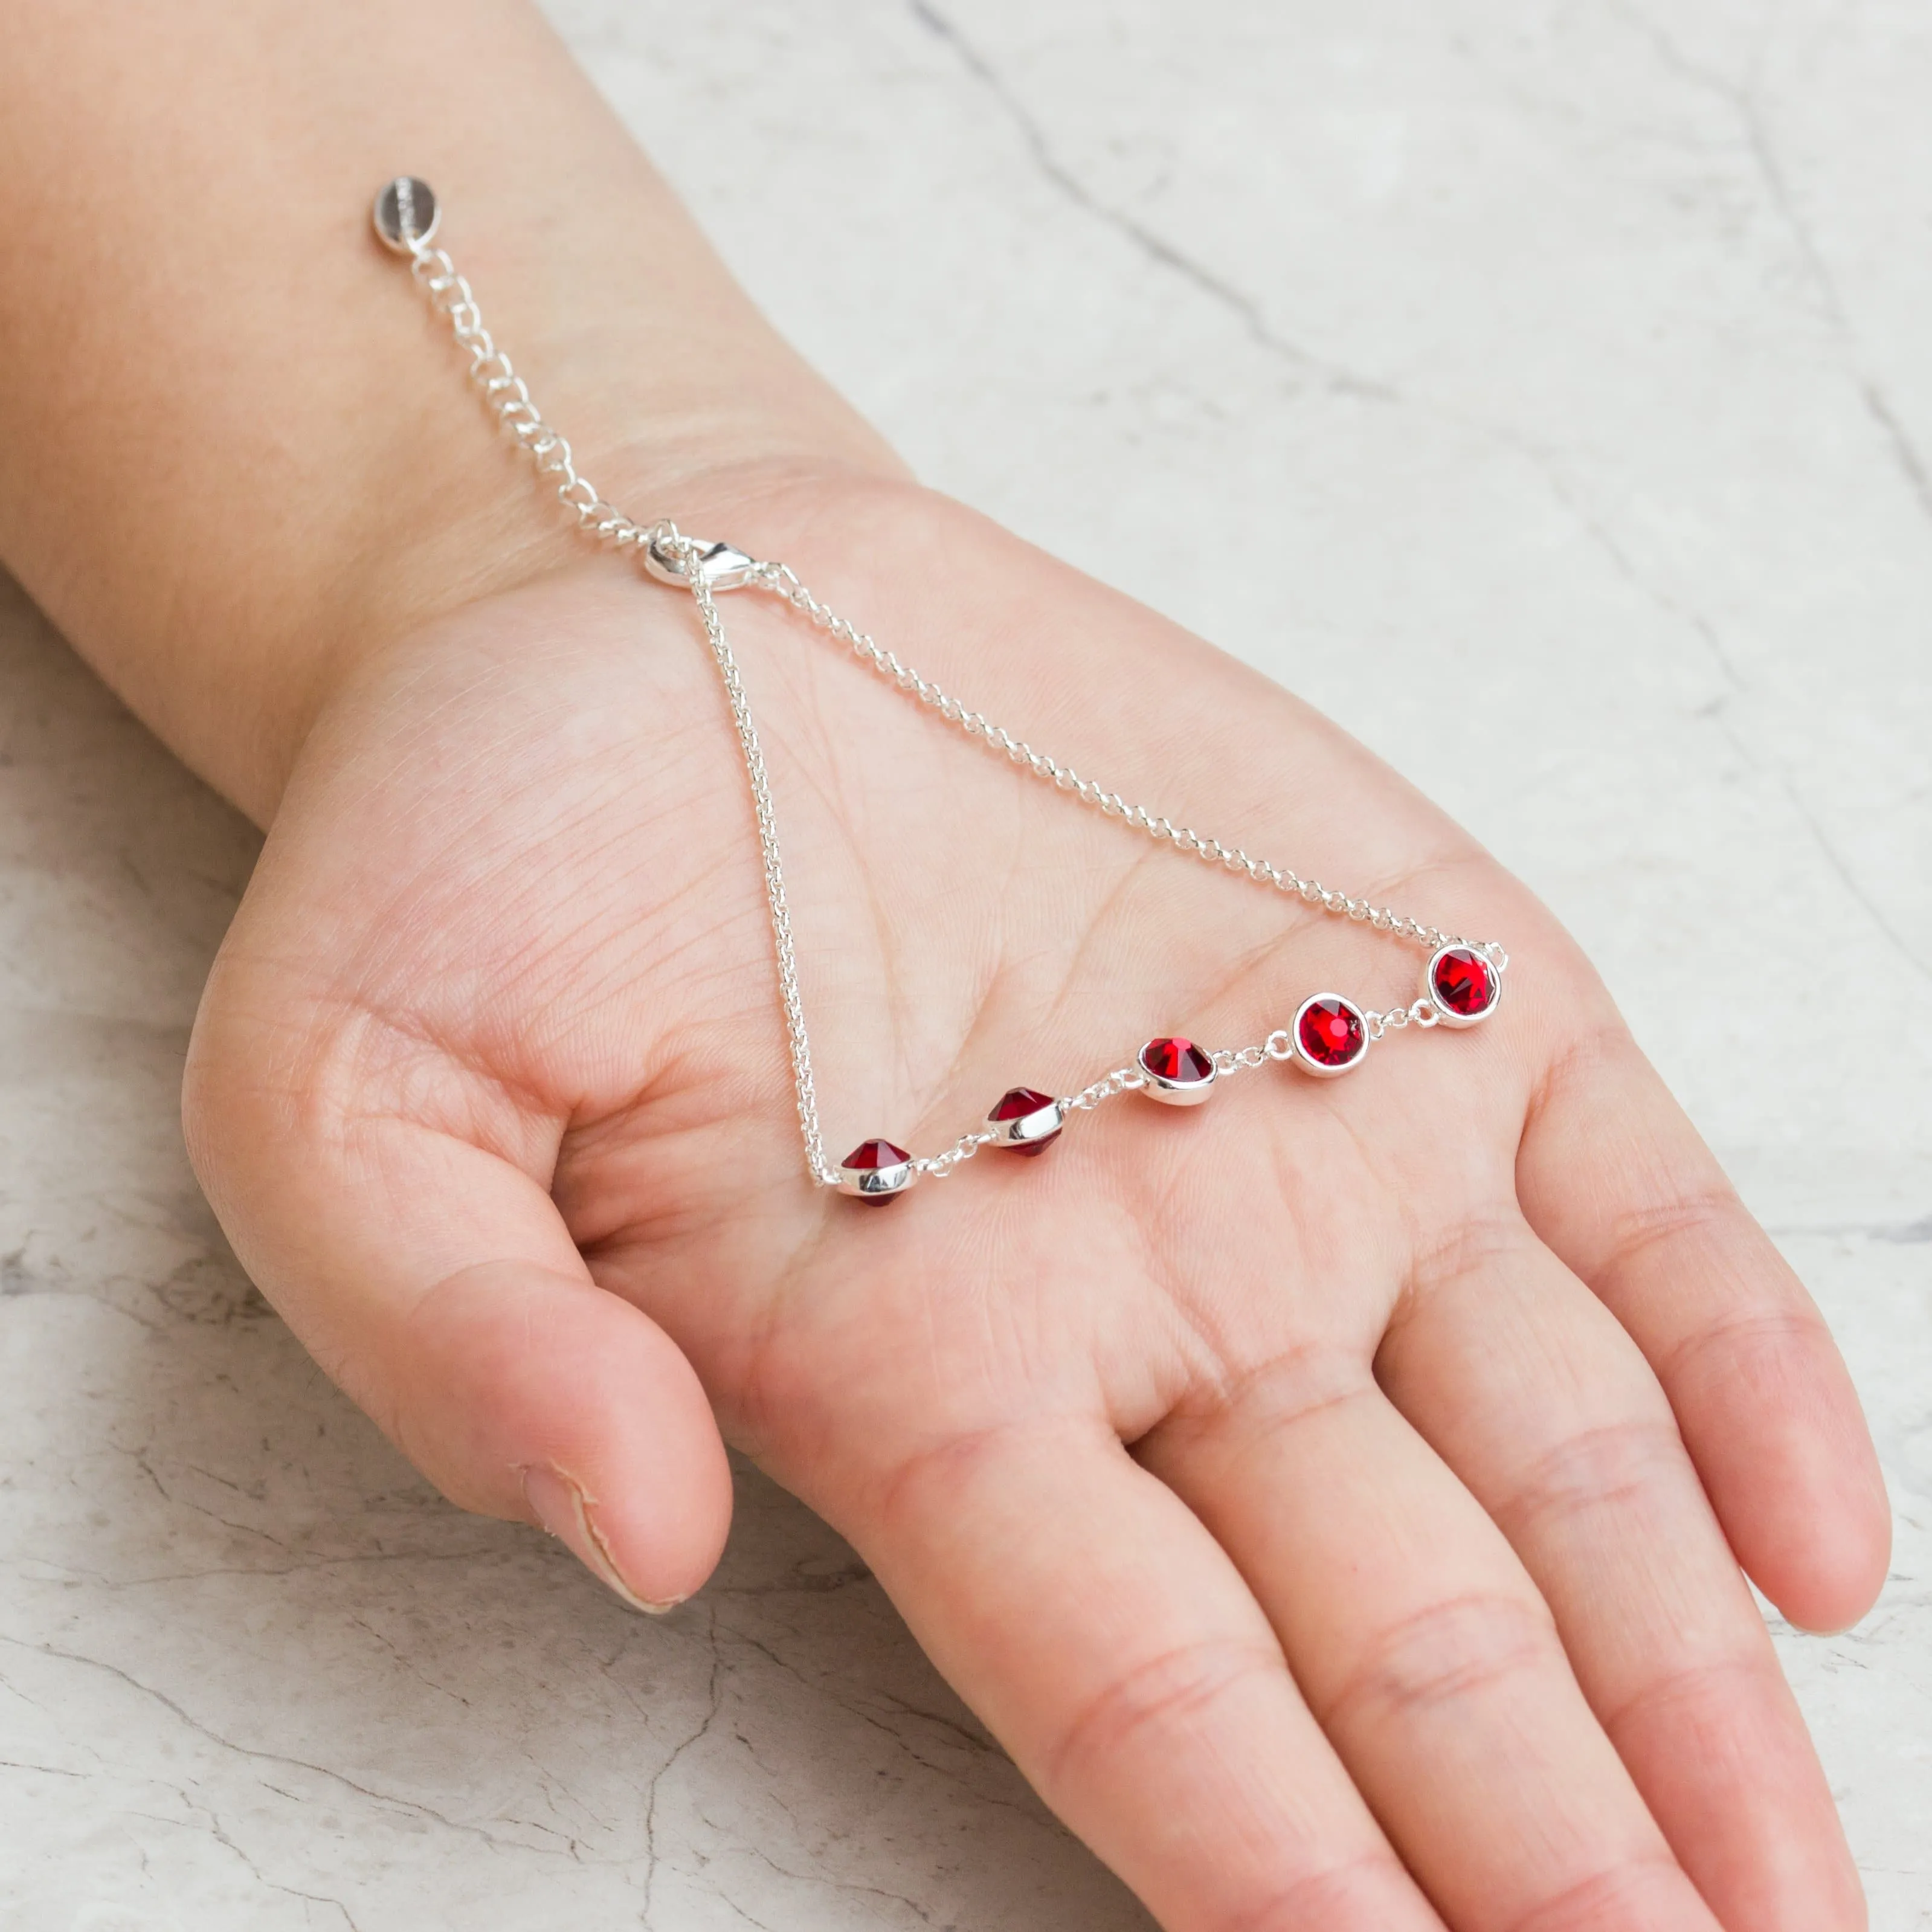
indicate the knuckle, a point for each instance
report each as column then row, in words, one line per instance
column 1635, row 1891
column 1611, row 1468
column 1363, row 1890
column 1754, row 1343
column 1700, row 1699
column 1695, row 1215
column 1442, row 1654
column 951, row 1463
column 1487, row 1240
column 1267, row 1395
column 910, row 1489
column 1174, row 1686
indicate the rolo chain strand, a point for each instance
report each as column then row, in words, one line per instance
column 778, row 577
column 704, row 569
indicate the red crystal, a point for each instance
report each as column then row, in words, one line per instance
column 1464, row 982
column 1015, row 1104
column 870, row 1155
column 1176, row 1059
column 1331, row 1032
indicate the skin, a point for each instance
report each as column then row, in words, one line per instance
column 1335, row 1497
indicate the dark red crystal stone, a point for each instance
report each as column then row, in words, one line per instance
column 1015, row 1104
column 1331, row 1034
column 869, row 1156
column 1176, row 1059
column 1464, row 982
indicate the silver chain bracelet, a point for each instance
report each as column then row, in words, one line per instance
column 1329, row 1035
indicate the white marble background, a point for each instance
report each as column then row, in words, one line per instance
column 1545, row 390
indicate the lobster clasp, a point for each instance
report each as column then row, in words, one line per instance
column 669, row 555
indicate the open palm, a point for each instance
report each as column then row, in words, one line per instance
column 1328, row 1494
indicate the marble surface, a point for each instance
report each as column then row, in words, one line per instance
column 1542, row 389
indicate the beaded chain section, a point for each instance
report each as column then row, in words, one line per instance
column 1329, row 1035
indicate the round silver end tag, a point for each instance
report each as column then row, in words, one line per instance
column 405, row 213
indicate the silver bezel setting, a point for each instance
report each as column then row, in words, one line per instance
column 1174, row 1093
column 1445, row 1015
column 878, row 1183
column 1028, row 1130
column 1315, row 1067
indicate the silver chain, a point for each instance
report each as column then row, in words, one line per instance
column 451, row 296
column 778, row 577
column 796, row 1036
column 705, row 569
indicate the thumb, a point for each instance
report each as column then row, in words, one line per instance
column 435, row 1280
column 523, row 1391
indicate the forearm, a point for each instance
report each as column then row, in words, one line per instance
column 238, row 455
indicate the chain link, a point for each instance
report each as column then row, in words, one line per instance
column 1122, row 1080
column 1422, row 1013
column 939, row 1165
column 451, row 296
column 799, row 1041
column 780, row 578
column 670, row 553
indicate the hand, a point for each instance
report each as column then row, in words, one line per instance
column 1329, row 1496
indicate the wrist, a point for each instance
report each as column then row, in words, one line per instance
column 482, row 522
column 249, row 456
column 449, row 511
